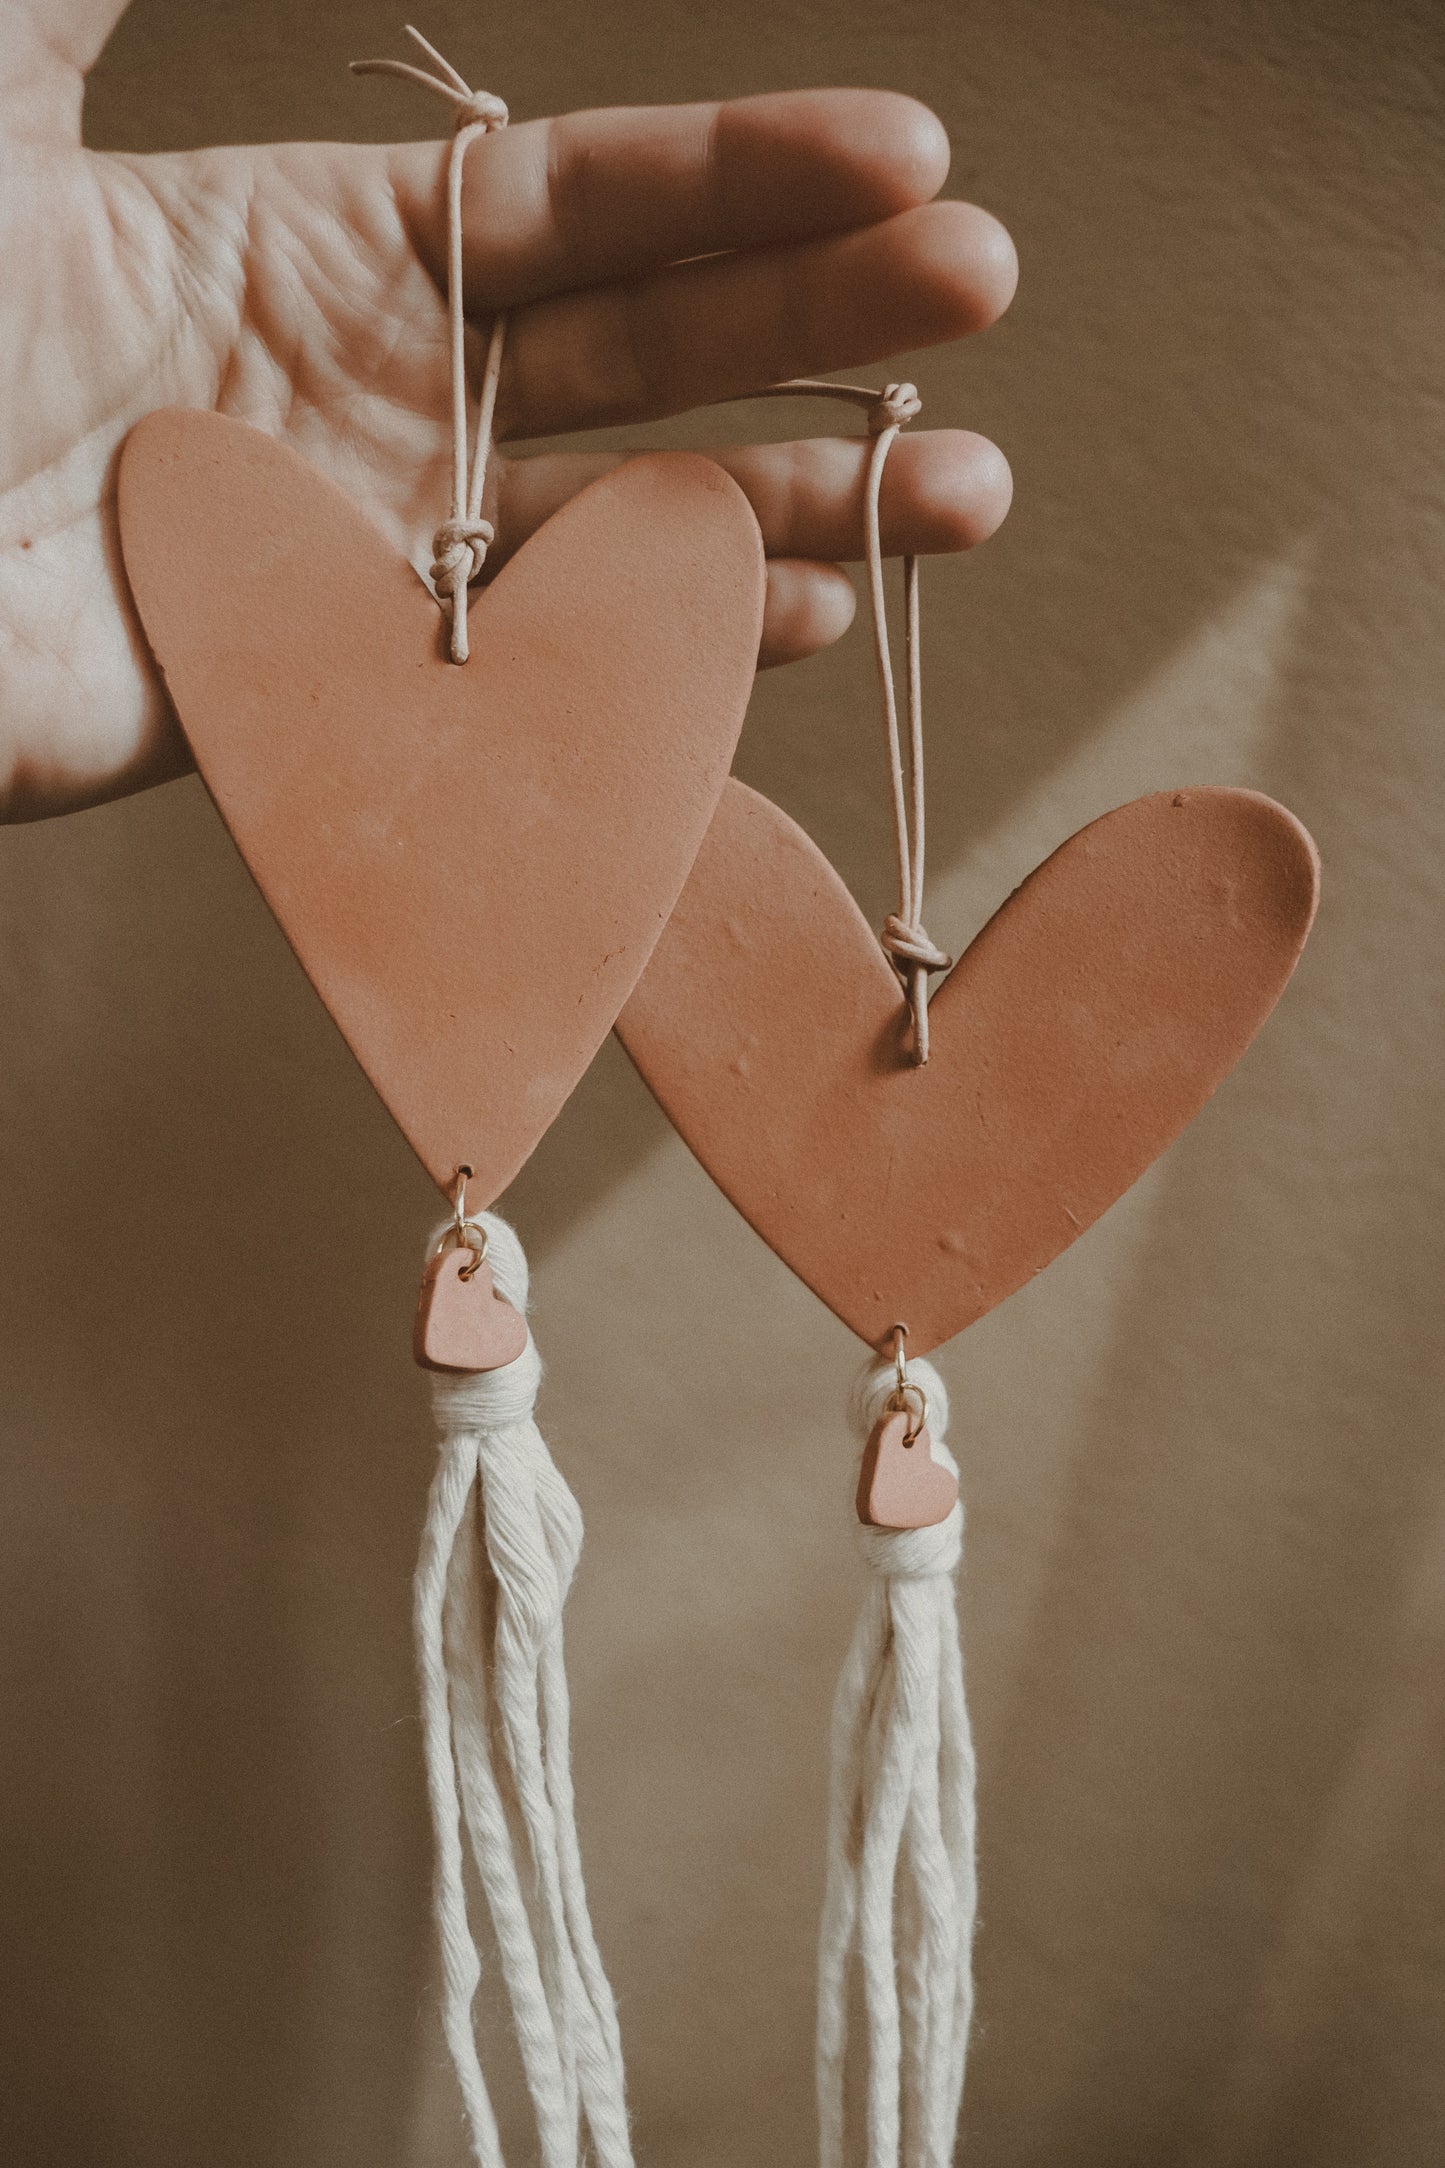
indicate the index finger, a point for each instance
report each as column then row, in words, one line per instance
column 549, row 205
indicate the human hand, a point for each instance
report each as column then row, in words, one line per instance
column 653, row 259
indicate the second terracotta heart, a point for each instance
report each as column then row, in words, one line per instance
column 472, row 863
column 1085, row 1026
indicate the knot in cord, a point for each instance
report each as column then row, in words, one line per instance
column 911, row 946
column 913, row 953
column 479, row 109
column 460, row 546
column 898, row 403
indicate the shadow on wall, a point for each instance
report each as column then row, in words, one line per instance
column 212, row 1848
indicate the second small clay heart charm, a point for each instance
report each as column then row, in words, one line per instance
column 1083, row 1028
column 472, row 863
column 900, row 1484
column 462, row 1323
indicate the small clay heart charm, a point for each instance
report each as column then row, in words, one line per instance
column 1085, row 1026
column 462, row 1323
column 472, row 863
column 900, row 1484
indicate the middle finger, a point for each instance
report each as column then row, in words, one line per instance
column 705, row 331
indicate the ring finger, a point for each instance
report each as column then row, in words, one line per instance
column 943, row 490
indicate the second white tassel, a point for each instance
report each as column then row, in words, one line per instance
column 901, row 1891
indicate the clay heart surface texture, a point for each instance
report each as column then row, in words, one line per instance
column 1083, row 1028
column 472, row 863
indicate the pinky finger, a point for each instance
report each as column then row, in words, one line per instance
column 808, row 606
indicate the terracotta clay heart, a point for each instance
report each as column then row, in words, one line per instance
column 900, row 1484
column 462, row 1323
column 1085, row 1026
column 472, row 863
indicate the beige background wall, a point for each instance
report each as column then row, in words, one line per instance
column 1205, row 1596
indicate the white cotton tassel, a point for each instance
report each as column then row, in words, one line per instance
column 901, row 1879
column 501, row 1543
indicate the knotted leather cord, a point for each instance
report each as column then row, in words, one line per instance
column 905, row 940
column 460, row 544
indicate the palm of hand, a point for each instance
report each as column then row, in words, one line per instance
column 295, row 286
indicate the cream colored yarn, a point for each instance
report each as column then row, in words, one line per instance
column 902, row 1888
column 501, row 1543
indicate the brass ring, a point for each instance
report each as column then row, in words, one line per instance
column 470, row 1235
column 467, row 1234
column 898, row 1400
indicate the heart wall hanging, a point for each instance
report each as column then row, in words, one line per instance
column 472, row 820
column 915, row 1164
